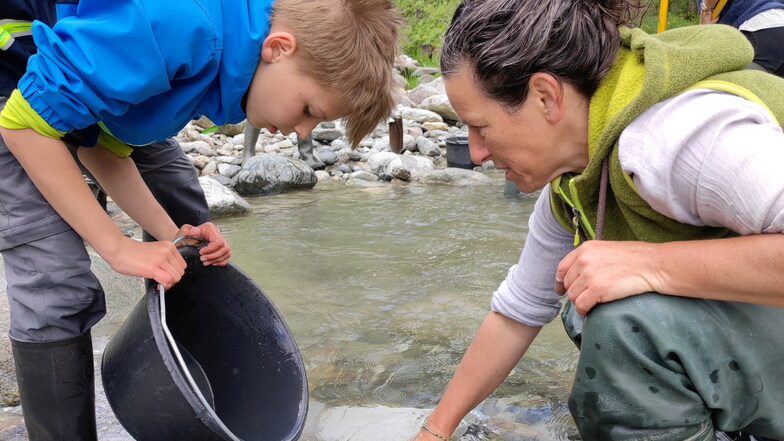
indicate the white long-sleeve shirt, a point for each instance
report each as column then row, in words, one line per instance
column 703, row 158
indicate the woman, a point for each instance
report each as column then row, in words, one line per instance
column 648, row 143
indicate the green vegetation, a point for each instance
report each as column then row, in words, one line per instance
column 650, row 22
column 428, row 19
column 679, row 13
column 412, row 80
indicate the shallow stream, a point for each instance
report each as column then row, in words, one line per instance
column 384, row 288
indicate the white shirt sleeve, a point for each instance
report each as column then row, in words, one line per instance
column 709, row 158
column 527, row 295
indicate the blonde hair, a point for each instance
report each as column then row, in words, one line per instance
column 349, row 46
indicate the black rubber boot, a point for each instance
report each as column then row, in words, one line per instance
column 57, row 387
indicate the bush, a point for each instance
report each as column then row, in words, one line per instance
column 426, row 21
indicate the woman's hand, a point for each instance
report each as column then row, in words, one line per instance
column 603, row 271
column 217, row 251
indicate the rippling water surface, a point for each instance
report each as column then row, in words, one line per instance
column 384, row 289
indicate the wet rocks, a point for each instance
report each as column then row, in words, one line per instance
column 276, row 164
column 455, row 176
column 403, row 167
column 222, row 200
column 267, row 174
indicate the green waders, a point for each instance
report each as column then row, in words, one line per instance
column 666, row 368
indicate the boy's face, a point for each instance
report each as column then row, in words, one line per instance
column 283, row 99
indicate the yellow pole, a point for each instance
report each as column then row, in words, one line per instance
column 663, row 5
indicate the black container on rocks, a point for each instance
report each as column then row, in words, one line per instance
column 213, row 361
column 457, row 154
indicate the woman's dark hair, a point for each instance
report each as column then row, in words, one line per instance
column 504, row 42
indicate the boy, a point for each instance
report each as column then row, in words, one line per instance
column 133, row 73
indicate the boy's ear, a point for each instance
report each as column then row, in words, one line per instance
column 277, row 45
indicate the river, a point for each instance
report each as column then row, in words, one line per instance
column 383, row 289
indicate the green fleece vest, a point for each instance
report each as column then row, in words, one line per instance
column 650, row 69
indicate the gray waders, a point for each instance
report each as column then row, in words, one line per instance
column 667, row 368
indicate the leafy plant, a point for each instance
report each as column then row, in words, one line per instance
column 412, row 80
column 426, row 21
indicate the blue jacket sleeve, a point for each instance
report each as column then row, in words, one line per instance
column 115, row 54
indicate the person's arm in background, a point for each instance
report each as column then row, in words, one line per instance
column 51, row 167
column 123, row 183
column 706, row 11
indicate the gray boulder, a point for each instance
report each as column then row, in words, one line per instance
column 221, row 200
column 424, row 90
column 228, row 170
column 427, row 147
column 409, row 143
column 202, row 148
column 231, row 129
column 321, row 133
column 419, row 115
column 440, row 104
column 404, row 167
column 326, row 155
column 455, row 176
column 266, row 174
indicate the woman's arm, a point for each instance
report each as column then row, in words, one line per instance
column 52, row 169
column 740, row 269
column 498, row 346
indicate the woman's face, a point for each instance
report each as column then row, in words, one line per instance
column 541, row 140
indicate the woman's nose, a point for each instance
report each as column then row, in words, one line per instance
column 476, row 148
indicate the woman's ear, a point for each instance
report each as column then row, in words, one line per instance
column 278, row 45
column 548, row 93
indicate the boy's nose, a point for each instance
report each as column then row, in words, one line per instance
column 304, row 128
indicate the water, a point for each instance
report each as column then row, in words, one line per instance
column 384, row 288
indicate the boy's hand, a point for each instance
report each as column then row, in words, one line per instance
column 159, row 261
column 217, row 251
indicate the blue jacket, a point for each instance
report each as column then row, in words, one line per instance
column 144, row 68
column 736, row 12
column 16, row 42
